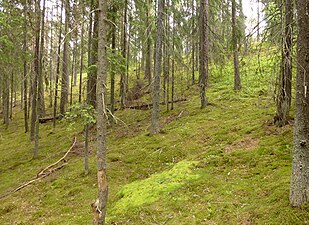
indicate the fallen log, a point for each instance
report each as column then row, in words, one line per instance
column 147, row 106
column 46, row 119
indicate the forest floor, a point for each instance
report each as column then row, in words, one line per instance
column 225, row 164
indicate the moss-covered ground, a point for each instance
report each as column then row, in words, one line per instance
column 225, row 164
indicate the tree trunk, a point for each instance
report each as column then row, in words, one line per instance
column 299, row 192
column 285, row 79
column 124, row 55
column 65, row 62
column 36, row 76
column 6, row 100
column 81, row 57
column 58, row 68
column 36, row 94
column 92, row 60
column 203, row 79
column 101, row 117
column 25, row 81
column 155, row 117
column 148, row 38
column 113, row 63
column 40, row 77
column 237, row 83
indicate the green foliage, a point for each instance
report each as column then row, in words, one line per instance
column 82, row 113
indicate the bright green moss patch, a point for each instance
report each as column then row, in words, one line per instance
column 155, row 187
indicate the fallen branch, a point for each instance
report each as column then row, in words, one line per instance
column 62, row 158
column 149, row 105
column 37, row 178
column 43, row 173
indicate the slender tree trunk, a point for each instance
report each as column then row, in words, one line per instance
column 299, row 192
column 65, row 62
column 36, row 94
column 101, row 118
column 51, row 71
column 193, row 44
column 36, row 77
column 203, row 79
column 57, row 69
column 40, row 77
column 113, row 64
column 148, row 38
column 92, row 75
column 258, row 21
column 6, row 100
column 25, row 83
column 285, row 79
column 124, row 55
column 81, row 57
column 12, row 95
column 155, row 117
column 237, row 83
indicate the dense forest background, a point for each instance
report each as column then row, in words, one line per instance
column 187, row 108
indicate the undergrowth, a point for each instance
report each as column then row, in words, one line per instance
column 225, row 164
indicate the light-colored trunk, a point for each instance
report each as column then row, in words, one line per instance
column 100, row 210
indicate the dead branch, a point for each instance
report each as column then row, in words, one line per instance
column 55, row 163
column 43, row 173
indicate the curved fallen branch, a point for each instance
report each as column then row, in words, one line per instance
column 43, row 173
column 55, row 163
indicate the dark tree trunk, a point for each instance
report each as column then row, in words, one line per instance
column 237, row 83
column 124, row 55
column 285, row 79
column 40, row 78
column 65, row 62
column 25, row 80
column 203, row 79
column 36, row 94
column 6, row 100
column 36, row 76
column 299, row 193
column 57, row 69
column 92, row 61
column 81, row 65
column 155, row 117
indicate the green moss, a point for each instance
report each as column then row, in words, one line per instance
column 155, row 187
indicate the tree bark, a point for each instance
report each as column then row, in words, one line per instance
column 113, row 63
column 148, row 38
column 124, row 55
column 285, row 79
column 65, row 62
column 25, row 80
column 299, row 192
column 81, row 65
column 237, row 82
column 155, row 117
column 41, row 53
column 203, row 79
column 101, row 117
column 57, row 69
